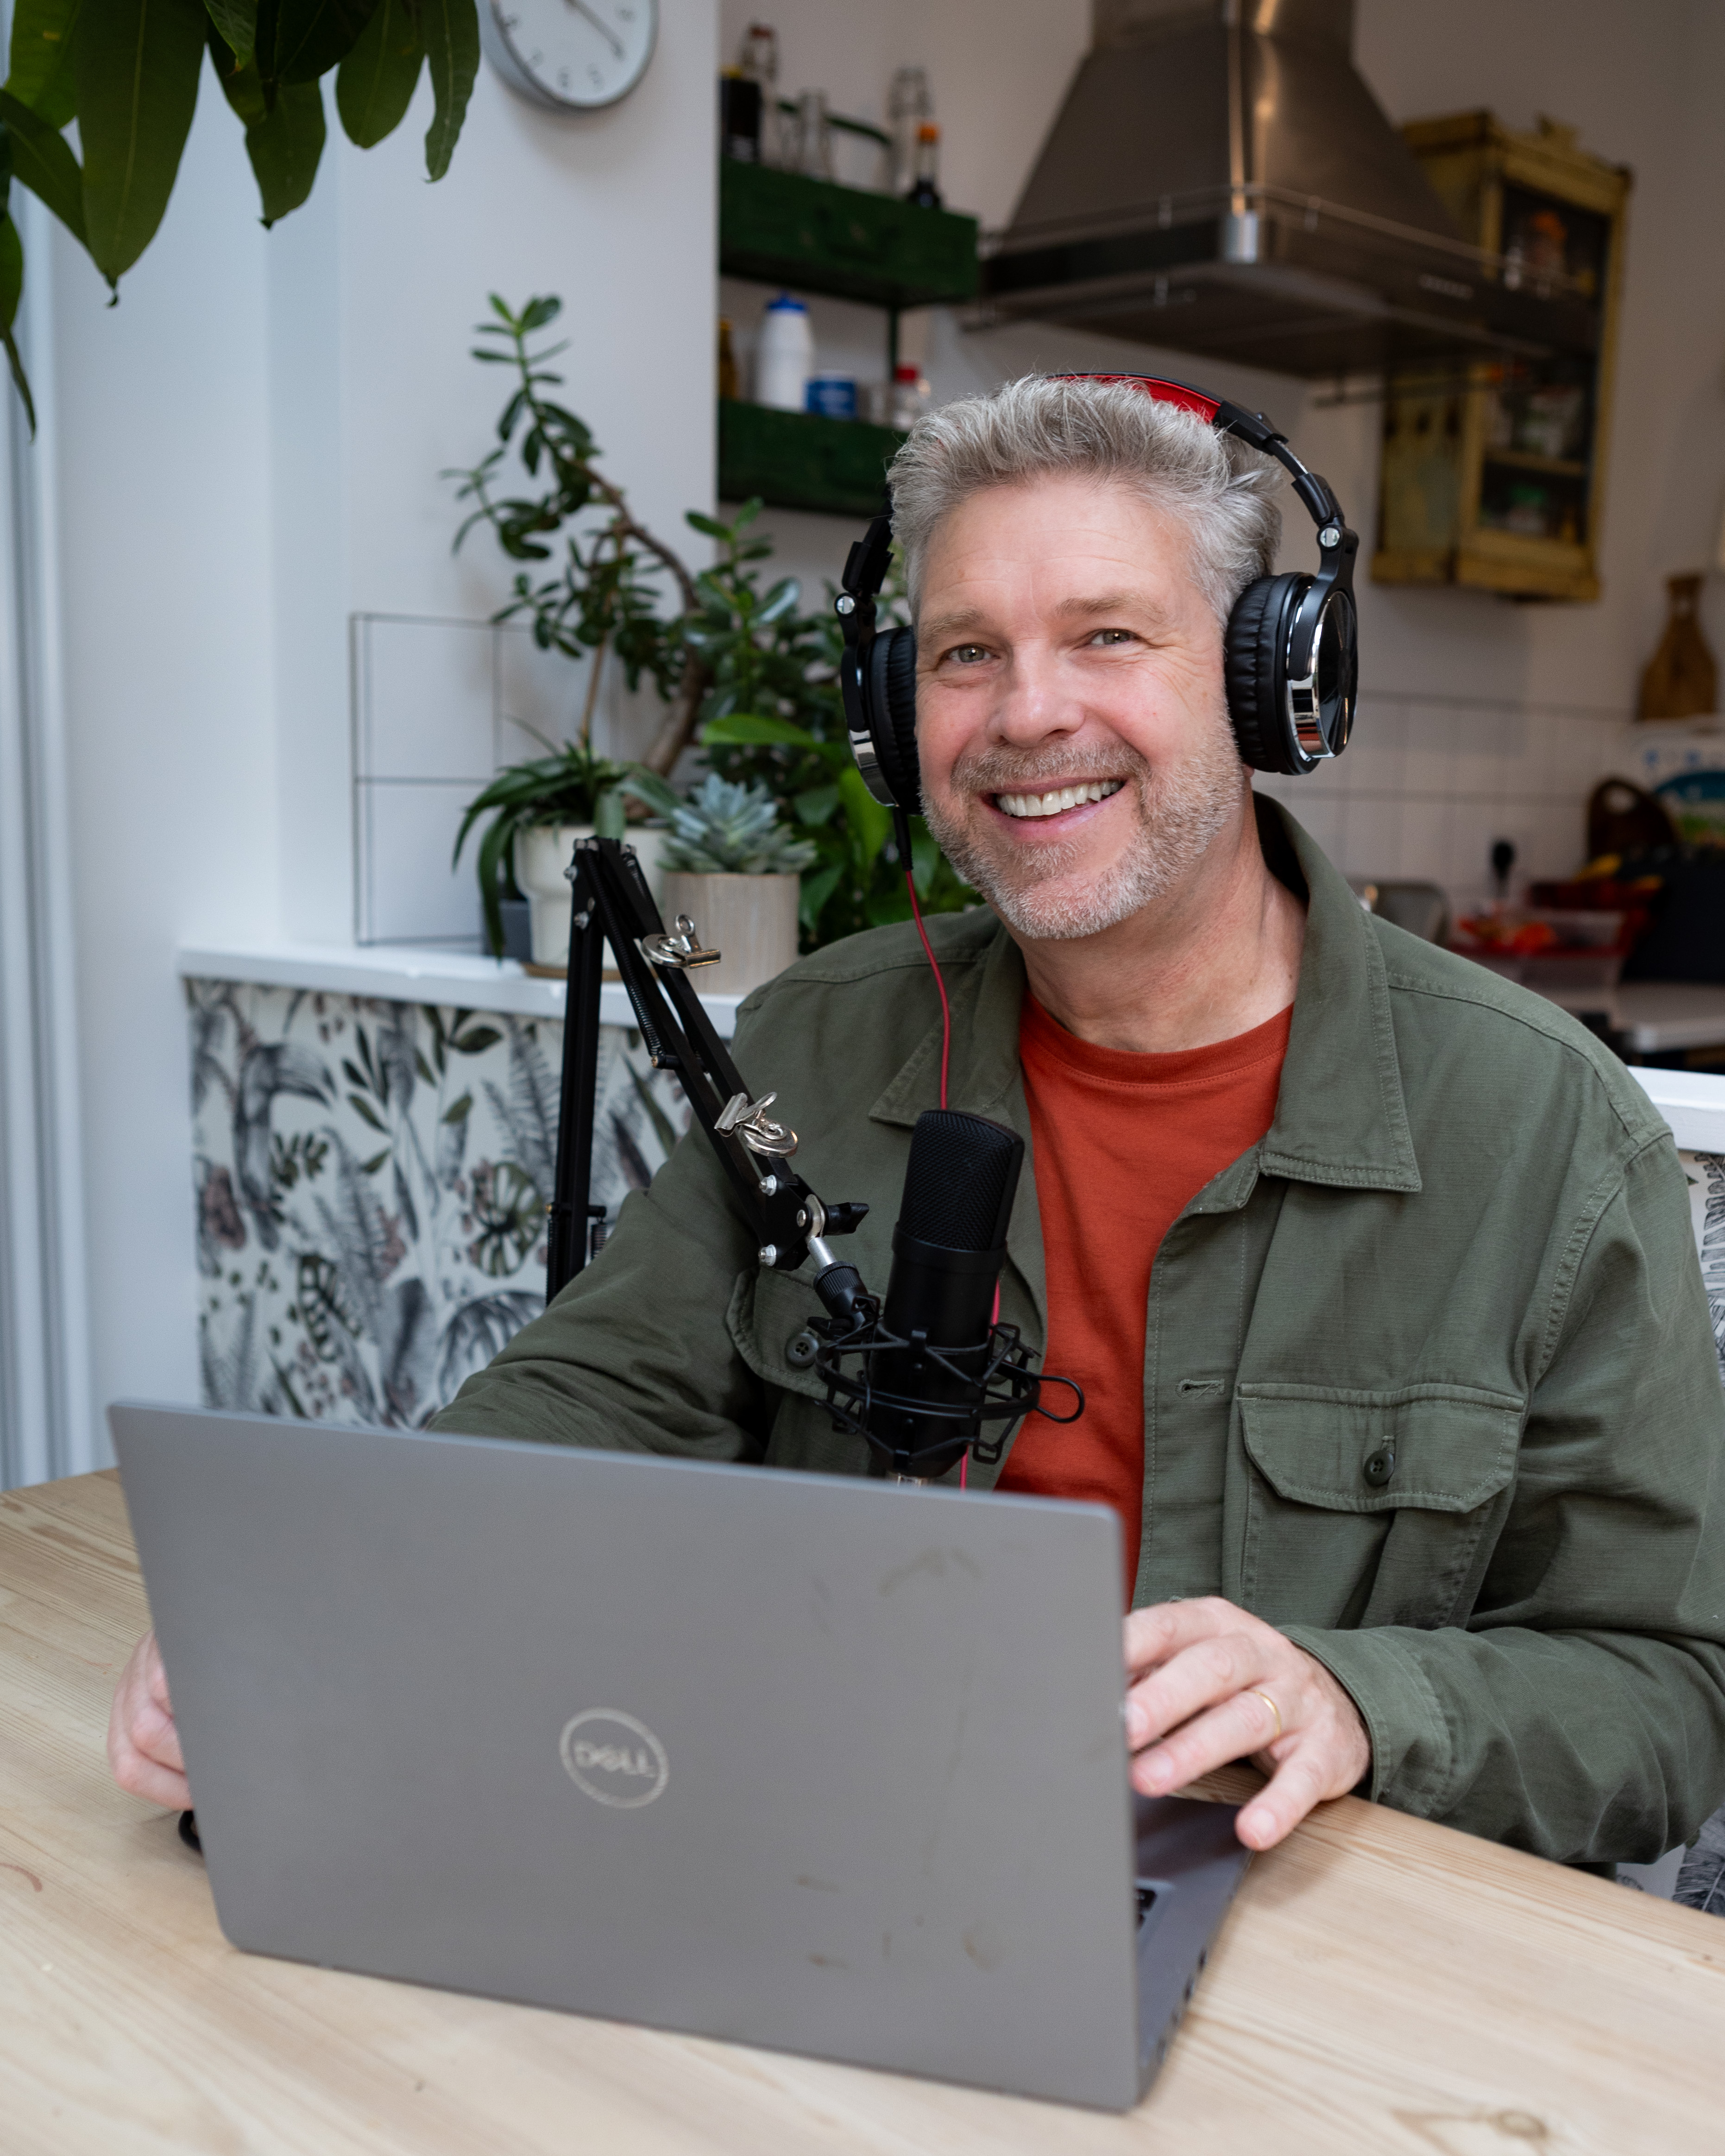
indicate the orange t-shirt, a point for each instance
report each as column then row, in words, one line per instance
column 1122, row 1143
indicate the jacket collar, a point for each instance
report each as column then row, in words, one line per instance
column 1340, row 1118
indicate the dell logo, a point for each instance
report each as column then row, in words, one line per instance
column 615, row 1759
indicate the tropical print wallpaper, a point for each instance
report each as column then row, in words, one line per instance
column 371, row 1180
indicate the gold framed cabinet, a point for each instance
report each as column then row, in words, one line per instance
column 1494, row 478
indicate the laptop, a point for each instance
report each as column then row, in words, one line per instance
column 823, row 1764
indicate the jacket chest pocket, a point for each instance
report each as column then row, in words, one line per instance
column 1373, row 1507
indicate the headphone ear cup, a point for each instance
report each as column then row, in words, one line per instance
column 1255, row 665
column 892, row 714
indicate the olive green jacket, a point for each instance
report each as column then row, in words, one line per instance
column 1464, row 1244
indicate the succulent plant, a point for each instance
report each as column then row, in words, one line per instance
column 721, row 828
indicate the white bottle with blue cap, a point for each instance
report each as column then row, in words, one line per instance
column 784, row 358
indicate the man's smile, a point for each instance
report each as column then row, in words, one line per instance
column 1057, row 802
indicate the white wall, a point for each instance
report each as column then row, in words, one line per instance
column 248, row 452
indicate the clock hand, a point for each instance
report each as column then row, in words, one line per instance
column 603, row 28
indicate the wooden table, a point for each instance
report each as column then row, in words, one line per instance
column 1382, row 1985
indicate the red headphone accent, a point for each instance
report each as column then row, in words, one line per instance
column 1164, row 392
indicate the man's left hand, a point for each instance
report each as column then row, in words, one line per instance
column 1209, row 1683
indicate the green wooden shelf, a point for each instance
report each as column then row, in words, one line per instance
column 801, row 460
column 814, row 236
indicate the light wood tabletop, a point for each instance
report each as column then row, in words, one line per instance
column 1382, row 1985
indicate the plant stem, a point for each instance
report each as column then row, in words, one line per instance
column 593, row 694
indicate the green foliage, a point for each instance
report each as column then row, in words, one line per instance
column 603, row 597
column 127, row 71
column 746, row 672
column 571, row 785
column 40, row 69
column 42, row 158
column 284, row 134
column 374, row 84
column 135, row 70
column 722, row 830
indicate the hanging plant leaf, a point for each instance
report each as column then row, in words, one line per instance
column 237, row 22
column 12, row 288
column 285, row 147
column 42, row 159
column 284, row 141
column 40, row 71
column 374, row 84
column 136, row 63
column 450, row 31
column 299, row 40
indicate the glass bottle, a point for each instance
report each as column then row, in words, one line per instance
column 924, row 190
column 909, row 104
column 759, row 63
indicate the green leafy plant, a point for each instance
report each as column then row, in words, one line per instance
column 569, row 785
column 722, row 830
column 745, row 674
column 127, row 72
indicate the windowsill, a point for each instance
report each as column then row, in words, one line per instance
column 414, row 973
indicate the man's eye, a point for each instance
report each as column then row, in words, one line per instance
column 969, row 654
column 1113, row 636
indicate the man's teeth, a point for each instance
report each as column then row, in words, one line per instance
column 1053, row 805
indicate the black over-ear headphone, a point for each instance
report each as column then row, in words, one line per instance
column 1290, row 655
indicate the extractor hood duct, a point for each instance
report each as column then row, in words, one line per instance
column 1220, row 180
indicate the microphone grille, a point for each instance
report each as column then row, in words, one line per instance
column 962, row 1176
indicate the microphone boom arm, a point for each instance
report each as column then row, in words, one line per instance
column 610, row 902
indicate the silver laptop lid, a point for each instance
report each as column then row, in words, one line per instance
column 800, row 1761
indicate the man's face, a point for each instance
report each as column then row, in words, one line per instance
column 1071, row 720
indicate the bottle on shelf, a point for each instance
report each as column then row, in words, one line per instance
column 784, row 359
column 729, row 386
column 924, row 188
column 812, row 137
column 909, row 104
column 739, row 117
column 758, row 63
column 910, row 398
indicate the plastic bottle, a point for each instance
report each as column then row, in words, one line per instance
column 784, row 358
column 910, row 398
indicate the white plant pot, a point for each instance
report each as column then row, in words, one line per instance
column 751, row 919
column 542, row 854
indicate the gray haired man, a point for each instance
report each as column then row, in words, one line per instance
column 1378, row 1270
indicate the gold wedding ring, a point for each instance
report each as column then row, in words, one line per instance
column 1271, row 1704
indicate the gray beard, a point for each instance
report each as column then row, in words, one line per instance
column 1181, row 809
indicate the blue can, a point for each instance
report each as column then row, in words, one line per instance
column 834, row 396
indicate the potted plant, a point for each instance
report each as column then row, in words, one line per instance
column 736, row 870
column 538, row 810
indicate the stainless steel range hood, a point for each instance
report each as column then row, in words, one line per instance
column 1220, row 180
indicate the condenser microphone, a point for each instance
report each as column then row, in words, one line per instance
column 947, row 1249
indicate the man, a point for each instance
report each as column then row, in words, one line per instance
column 1377, row 1271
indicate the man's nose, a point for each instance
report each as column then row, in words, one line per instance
column 1035, row 700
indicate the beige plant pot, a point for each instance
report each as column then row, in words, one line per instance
column 751, row 919
column 541, row 854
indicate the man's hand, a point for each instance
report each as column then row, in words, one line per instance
column 143, row 1744
column 1209, row 1683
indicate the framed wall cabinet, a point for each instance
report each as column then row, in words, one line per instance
column 1494, row 478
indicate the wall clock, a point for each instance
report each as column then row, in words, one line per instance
column 572, row 55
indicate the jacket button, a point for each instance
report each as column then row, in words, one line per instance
column 1380, row 1465
column 801, row 1349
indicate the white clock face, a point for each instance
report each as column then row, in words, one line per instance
column 572, row 55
